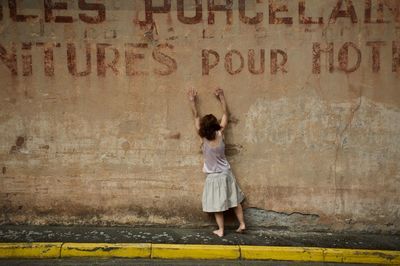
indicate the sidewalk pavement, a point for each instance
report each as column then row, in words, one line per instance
column 172, row 243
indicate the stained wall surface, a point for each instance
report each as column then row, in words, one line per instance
column 96, row 127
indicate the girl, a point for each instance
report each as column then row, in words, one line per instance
column 221, row 192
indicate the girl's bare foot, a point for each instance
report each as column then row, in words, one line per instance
column 241, row 229
column 219, row 233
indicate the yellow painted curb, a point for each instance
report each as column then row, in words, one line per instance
column 177, row 251
column 215, row 252
column 362, row 256
column 121, row 250
column 320, row 255
column 30, row 250
column 281, row 253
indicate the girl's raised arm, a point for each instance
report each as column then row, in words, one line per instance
column 221, row 97
column 192, row 93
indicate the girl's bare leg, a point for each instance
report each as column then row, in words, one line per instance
column 219, row 217
column 239, row 214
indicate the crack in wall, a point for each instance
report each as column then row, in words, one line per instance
column 339, row 145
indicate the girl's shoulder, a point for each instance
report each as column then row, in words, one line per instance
column 220, row 134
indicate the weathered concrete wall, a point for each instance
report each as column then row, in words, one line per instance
column 96, row 129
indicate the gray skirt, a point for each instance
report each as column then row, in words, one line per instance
column 221, row 192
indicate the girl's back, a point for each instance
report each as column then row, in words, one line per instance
column 214, row 155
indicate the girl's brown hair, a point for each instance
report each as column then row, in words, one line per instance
column 208, row 127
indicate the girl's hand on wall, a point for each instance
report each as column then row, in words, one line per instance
column 219, row 93
column 192, row 94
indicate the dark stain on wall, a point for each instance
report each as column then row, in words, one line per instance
column 19, row 143
column 175, row 135
column 233, row 120
column 233, row 149
column 44, row 147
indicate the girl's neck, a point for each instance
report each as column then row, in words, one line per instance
column 215, row 141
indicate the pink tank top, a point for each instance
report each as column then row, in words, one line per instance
column 214, row 157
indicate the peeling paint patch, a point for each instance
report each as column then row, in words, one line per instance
column 314, row 122
column 280, row 220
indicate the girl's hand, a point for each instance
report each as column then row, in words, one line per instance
column 192, row 94
column 219, row 93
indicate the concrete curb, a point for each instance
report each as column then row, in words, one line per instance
column 178, row 251
column 30, row 250
column 99, row 250
column 321, row 255
column 215, row 252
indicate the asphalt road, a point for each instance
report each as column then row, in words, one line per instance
column 132, row 262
